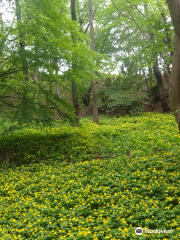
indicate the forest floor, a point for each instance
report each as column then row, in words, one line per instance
column 131, row 185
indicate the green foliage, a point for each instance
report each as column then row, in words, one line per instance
column 23, row 102
column 121, row 104
column 44, row 41
column 36, row 46
column 123, row 31
column 93, row 199
column 121, row 96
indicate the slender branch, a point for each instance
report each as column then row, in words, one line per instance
column 89, row 22
column 87, row 28
column 133, row 19
column 145, row 16
column 11, row 97
column 7, row 72
column 130, row 18
column 94, row 12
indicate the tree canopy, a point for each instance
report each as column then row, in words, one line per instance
column 36, row 57
column 42, row 50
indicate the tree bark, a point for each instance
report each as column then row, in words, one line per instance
column 175, row 81
column 174, row 9
column 95, row 107
column 73, row 10
column 8, row 157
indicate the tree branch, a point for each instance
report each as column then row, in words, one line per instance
column 130, row 18
column 137, row 9
column 10, row 69
column 89, row 22
column 12, row 97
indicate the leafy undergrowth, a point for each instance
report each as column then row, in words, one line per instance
column 93, row 199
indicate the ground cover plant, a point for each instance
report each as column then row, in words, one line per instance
column 92, row 199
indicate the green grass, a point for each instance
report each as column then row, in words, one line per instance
column 92, row 199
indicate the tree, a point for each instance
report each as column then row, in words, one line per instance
column 37, row 37
column 143, row 26
column 95, row 107
column 74, row 85
column 174, row 9
column 84, row 21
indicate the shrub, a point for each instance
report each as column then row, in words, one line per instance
column 154, row 92
column 112, row 100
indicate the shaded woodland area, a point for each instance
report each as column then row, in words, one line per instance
column 56, row 57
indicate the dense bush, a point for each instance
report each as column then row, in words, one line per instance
column 112, row 100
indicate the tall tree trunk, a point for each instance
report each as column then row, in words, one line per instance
column 95, row 107
column 157, row 72
column 22, row 43
column 158, row 75
column 175, row 81
column 174, row 9
column 73, row 83
column 73, row 10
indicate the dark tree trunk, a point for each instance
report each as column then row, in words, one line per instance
column 158, row 75
column 157, row 72
column 86, row 99
column 73, row 10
